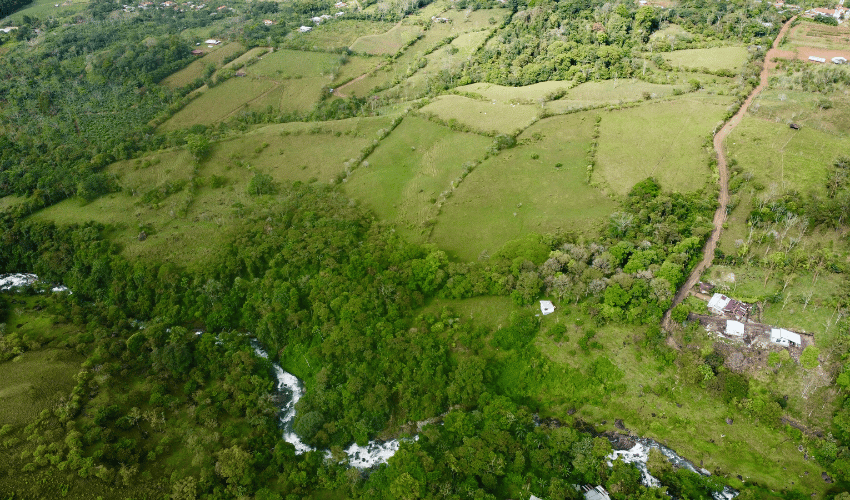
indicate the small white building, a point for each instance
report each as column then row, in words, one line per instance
column 305, row 29
column 782, row 336
column 213, row 41
column 839, row 60
column 717, row 303
column 547, row 307
column 817, row 59
column 734, row 328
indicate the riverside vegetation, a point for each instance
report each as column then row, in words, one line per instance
column 387, row 243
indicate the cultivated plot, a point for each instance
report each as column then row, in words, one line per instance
column 387, row 43
column 536, row 187
column 663, row 139
column 592, row 94
column 214, row 56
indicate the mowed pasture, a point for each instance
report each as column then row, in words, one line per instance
column 35, row 381
column 781, row 158
column 215, row 56
column 187, row 225
column 387, row 43
column 410, row 170
column 661, row 139
column 483, row 116
column 536, row 187
column 286, row 80
column 730, row 58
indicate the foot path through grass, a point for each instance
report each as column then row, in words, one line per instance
column 723, row 169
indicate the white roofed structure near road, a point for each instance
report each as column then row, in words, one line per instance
column 546, row 307
column 734, row 328
column 718, row 302
column 212, row 41
column 784, row 337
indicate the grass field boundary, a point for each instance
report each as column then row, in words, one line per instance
column 355, row 163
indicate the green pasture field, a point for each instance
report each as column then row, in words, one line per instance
column 387, row 43
column 529, row 94
column 339, row 34
column 282, row 64
column 713, row 59
column 811, row 34
column 242, row 60
column 288, row 152
column 523, row 191
column 44, row 9
column 410, row 169
column 439, row 60
column 195, row 69
column 483, row 116
column 354, row 67
column 609, row 92
column 781, row 158
column 660, row 139
column 490, row 311
column 219, row 103
column 829, row 113
column 300, row 94
column 34, row 381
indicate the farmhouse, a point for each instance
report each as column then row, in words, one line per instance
column 782, row 336
column 734, row 328
column 721, row 304
column 213, row 41
column 717, row 303
column 546, row 307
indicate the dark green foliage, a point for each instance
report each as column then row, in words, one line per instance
column 262, row 184
column 9, row 6
column 523, row 328
column 828, row 20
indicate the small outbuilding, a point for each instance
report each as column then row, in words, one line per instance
column 784, row 337
column 839, row 60
column 305, row 29
column 794, row 126
column 213, row 41
column 817, row 59
column 734, row 328
column 547, row 307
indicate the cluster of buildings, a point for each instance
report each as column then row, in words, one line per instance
column 324, row 17
column 737, row 314
column 835, row 60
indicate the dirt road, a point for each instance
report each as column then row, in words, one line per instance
column 723, row 169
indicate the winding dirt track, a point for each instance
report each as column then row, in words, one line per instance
column 723, row 169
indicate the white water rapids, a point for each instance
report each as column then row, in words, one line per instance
column 378, row 452
column 639, row 454
column 361, row 457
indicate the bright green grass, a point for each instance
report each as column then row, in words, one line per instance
column 513, row 194
column 34, row 381
column 483, row 116
column 341, row 33
column 529, row 94
column 43, row 9
column 387, row 43
column 609, row 92
column 196, row 68
column 247, row 57
column 662, row 139
column 219, row 102
column 282, row 64
column 288, row 152
column 781, row 158
column 291, row 95
column 713, row 59
column 411, row 168
column 491, row 311
column 354, row 67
